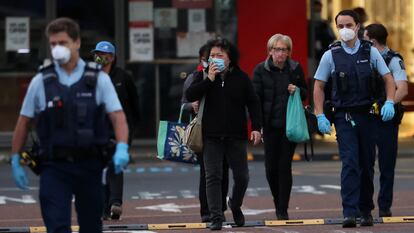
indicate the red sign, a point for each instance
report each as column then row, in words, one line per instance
column 192, row 3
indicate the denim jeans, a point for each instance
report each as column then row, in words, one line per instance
column 234, row 152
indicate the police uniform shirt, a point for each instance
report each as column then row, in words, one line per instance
column 396, row 67
column 34, row 101
column 327, row 66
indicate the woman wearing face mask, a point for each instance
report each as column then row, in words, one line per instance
column 192, row 108
column 274, row 80
column 349, row 64
column 104, row 54
column 228, row 92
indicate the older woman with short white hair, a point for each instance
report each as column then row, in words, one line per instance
column 274, row 80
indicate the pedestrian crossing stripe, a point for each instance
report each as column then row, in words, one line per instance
column 43, row 229
column 398, row 219
column 295, row 222
column 177, row 226
column 37, row 229
column 124, row 227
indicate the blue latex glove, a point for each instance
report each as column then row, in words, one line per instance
column 19, row 174
column 387, row 111
column 121, row 157
column 324, row 125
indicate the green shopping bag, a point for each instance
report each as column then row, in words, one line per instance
column 296, row 125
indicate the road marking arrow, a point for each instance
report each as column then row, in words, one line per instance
column 168, row 207
column 26, row 199
column 328, row 186
column 247, row 211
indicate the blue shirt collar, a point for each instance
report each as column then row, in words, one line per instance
column 79, row 66
column 69, row 79
column 349, row 49
column 385, row 51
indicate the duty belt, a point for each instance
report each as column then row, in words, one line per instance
column 75, row 154
column 354, row 109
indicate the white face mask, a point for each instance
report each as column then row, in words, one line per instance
column 346, row 34
column 61, row 54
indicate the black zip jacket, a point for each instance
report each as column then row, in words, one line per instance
column 227, row 99
column 128, row 96
column 270, row 83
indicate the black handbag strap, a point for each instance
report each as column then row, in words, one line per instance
column 305, row 146
column 312, row 128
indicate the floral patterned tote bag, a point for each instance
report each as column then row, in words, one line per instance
column 170, row 144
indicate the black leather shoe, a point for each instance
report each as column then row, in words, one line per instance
column 385, row 213
column 116, row 211
column 349, row 222
column 367, row 220
column 216, row 225
column 238, row 216
column 282, row 215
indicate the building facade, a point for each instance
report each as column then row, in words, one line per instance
column 158, row 40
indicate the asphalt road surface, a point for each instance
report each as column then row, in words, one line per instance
column 166, row 193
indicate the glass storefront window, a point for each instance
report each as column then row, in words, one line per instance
column 159, row 80
column 23, row 60
column 176, row 43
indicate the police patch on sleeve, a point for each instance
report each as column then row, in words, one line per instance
column 402, row 65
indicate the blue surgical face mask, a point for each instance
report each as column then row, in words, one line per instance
column 219, row 63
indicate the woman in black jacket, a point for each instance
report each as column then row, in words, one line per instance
column 192, row 108
column 228, row 92
column 274, row 80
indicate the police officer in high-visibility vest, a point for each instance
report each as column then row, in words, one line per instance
column 348, row 64
column 387, row 134
column 70, row 100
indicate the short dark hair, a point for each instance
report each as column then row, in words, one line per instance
column 228, row 47
column 360, row 11
column 351, row 13
column 378, row 32
column 203, row 51
column 63, row 25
